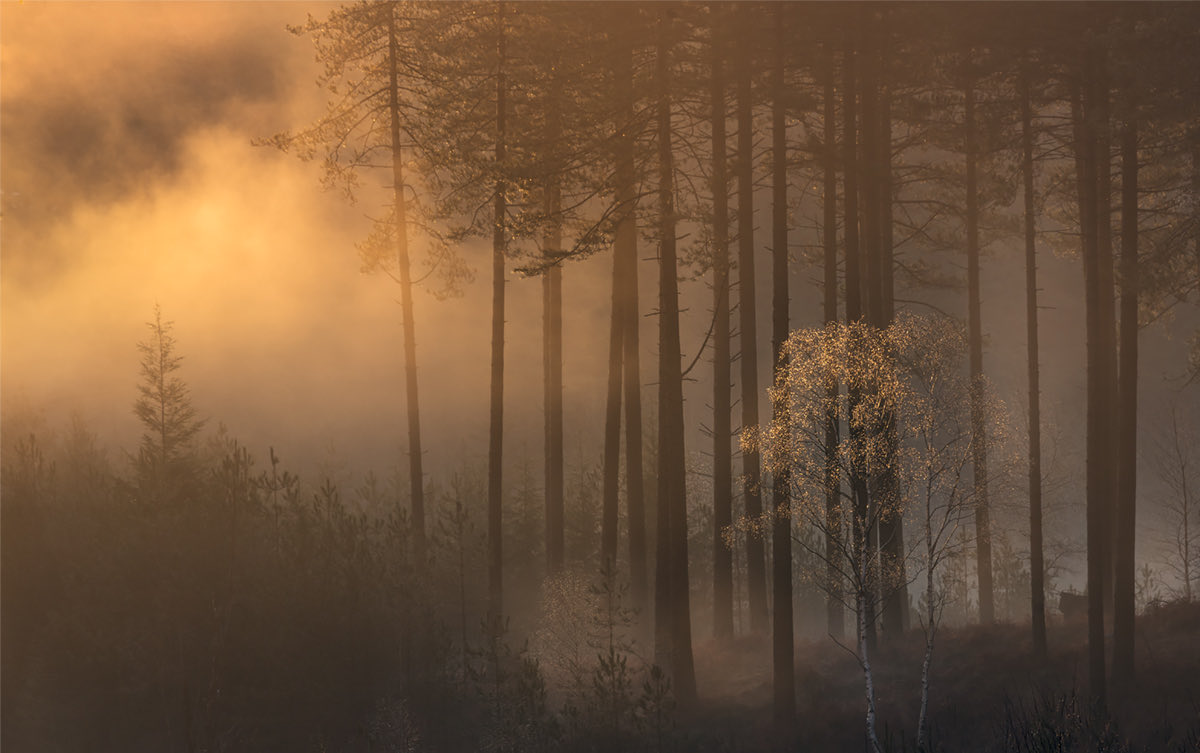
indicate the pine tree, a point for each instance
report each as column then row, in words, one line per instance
column 164, row 407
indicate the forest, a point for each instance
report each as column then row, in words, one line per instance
column 600, row 376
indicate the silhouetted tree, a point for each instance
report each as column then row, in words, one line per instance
column 722, row 429
column 164, row 407
column 782, row 643
column 374, row 72
column 672, row 613
column 747, row 317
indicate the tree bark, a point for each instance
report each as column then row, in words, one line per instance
column 756, row 570
column 672, row 614
column 871, row 298
column 415, row 473
column 1096, row 534
column 1126, row 506
column 610, row 491
column 1107, row 313
column 1037, row 566
column 854, row 314
column 496, row 426
column 891, row 521
column 552, row 328
column 868, row 173
column 983, row 536
column 783, row 648
column 1195, row 139
column 835, row 617
column 722, row 428
column 612, row 424
column 626, row 249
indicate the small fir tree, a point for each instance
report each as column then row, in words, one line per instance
column 164, row 407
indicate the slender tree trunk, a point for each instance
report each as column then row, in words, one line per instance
column 868, row 173
column 891, row 522
column 626, row 249
column 869, row 254
column 552, row 328
column 983, row 535
column 887, row 241
column 415, row 474
column 930, row 617
column 1195, row 138
column 864, row 658
column 1108, row 315
column 1183, row 537
column 612, row 423
column 783, row 635
column 1037, row 566
column 854, row 309
column 1108, row 318
column 1085, row 148
column 722, row 379
column 673, row 614
column 1126, row 508
column 612, row 429
column 555, row 478
column 854, row 315
column 748, row 325
column 835, row 612
column 496, row 428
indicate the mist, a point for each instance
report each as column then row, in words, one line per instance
column 150, row 164
column 151, row 192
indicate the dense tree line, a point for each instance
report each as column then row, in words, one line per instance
column 899, row 142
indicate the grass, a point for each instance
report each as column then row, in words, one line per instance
column 988, row 692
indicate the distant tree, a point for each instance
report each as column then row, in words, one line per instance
column 1175, row 459
column 782, row 631
column 722, row 430
column 744, row 66
column 496, row 401
column 374, row 72
column 164, row 407
column 672, row 611
column 1037, row 584
column 835, row 617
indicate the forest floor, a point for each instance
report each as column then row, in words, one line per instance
column 987, row 691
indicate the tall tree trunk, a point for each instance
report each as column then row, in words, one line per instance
column 415, row 474
column 1108, row 313
column 1085, row 147
column 722, row 379
column 756, row 569
column 854, row 315
column 552, row 359
column 887, row 240
column 1126, row 507
column 835, row 617
column 868, row 172
column 869, row 254
column 496, row 427
column 1037, row 566
column 626, row 249
column 983, row 535
column 891, row 522
column 854, row 311
column 612, row 423
column 672, row 614
column 783, row 646
column 1195, row 139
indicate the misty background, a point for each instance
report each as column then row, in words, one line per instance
column 129, row 178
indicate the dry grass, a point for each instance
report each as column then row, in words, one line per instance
column 988, row 691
